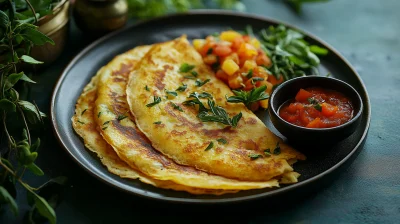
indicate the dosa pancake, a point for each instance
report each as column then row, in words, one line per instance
column 119, row 130
column 84, row 124
column 182, row 136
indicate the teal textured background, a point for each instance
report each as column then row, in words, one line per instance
column 366, row 32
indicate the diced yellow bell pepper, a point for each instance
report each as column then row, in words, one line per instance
column 247, row 50
column 198, row 44
column 230, row 67
column 264, row 103
column 255, row 43
column 249, row 64
column 229, row 35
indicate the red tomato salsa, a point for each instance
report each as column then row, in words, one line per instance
column 317, row 108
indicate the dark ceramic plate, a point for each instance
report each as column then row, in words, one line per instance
column 317, row 169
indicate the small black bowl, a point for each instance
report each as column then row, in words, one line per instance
column 313, row 136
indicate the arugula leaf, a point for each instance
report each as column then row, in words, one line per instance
column 156, row 100
column 185, row 67
column 248, row 97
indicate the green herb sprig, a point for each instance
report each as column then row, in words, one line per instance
column 18, row 35
column 156, row 100
column 248, row 97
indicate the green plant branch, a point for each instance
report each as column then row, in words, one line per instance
column 33, row 10
column 25, row 123
column 17, row 177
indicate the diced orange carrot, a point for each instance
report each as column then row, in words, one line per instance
column 222, row 50
column 237, row 42
column 274, row 81
column 263, row 59
column 303, row 95
column 235, row 81
column 254, row 106
column 210, row 59
column 328, row 109
column 222, row 75
column 316, row 123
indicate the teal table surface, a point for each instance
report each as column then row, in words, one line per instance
column 367, row 33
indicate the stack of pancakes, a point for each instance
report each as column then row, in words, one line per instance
column 165, row 144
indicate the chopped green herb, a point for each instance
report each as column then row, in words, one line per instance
column 182, row 88
column 254, row 156
column 83, row 111
column 80, row 122
column 156, row 100
column 267, row 152
column 209, row 51
column 209, row 146
column 200, row 83
column 146, row 88
column 185, row 67
column 98, row 115
column 121, row 117
column 250, row 74
column 215, row 66
column 176, row 107
column 194, row 73
column 171, row 93
column 106, row 122
column 189, row 77
column 157, row 122
column 222, row 141
column 318, row 107
column 104, row 128
column 277, row 149
column 218, row 114
column 312, row 100
column 256, row 79
column 248, row 97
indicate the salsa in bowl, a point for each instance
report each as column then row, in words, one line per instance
column 315, row 110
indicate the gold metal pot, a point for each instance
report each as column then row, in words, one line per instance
column 56, row 27
column 98, row 17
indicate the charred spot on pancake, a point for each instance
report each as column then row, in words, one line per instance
column 178, row 133
column 123, row 70
column 161, row 75
column 116, row 79
column 249, row 145
column 218, row 132
column 192, row 126
column 250, row 121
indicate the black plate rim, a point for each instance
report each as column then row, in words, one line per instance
column 210, row 201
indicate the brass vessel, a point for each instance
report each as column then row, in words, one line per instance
column 56, row 27
column 98, row 17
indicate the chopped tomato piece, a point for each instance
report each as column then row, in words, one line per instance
column 263, row 59
column 328, row 109
column 222, row 50
column 303, row 95
column 237, row 42
column 274, row 81
column 235, row 81
column 316, row 123
column 222, row 75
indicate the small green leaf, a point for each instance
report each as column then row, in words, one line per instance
column 7, row 105
column 12, row 79
column 44, row 208
column 30, row 60
column 318, row 50
column 171, row 93
column 267, row 152
column 255, row 156
column 35, row 169
column 6, row 197
column 36, row 37
column 13, row 94
column 156, row 100
column 35, row 146
column 277, row 149
column 157, row 122
column 185, row 67
column 32, row 113
column 209, row 146
column 318, row 107
column 182, row 88
column 222, row 141
column 200, row 83
column 4, row 20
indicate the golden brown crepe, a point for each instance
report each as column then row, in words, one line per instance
column 119, row 130
column 181, row 136
column 84, row 124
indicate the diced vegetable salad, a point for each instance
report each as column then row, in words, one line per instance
column 239, row 61
column 245, row 62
